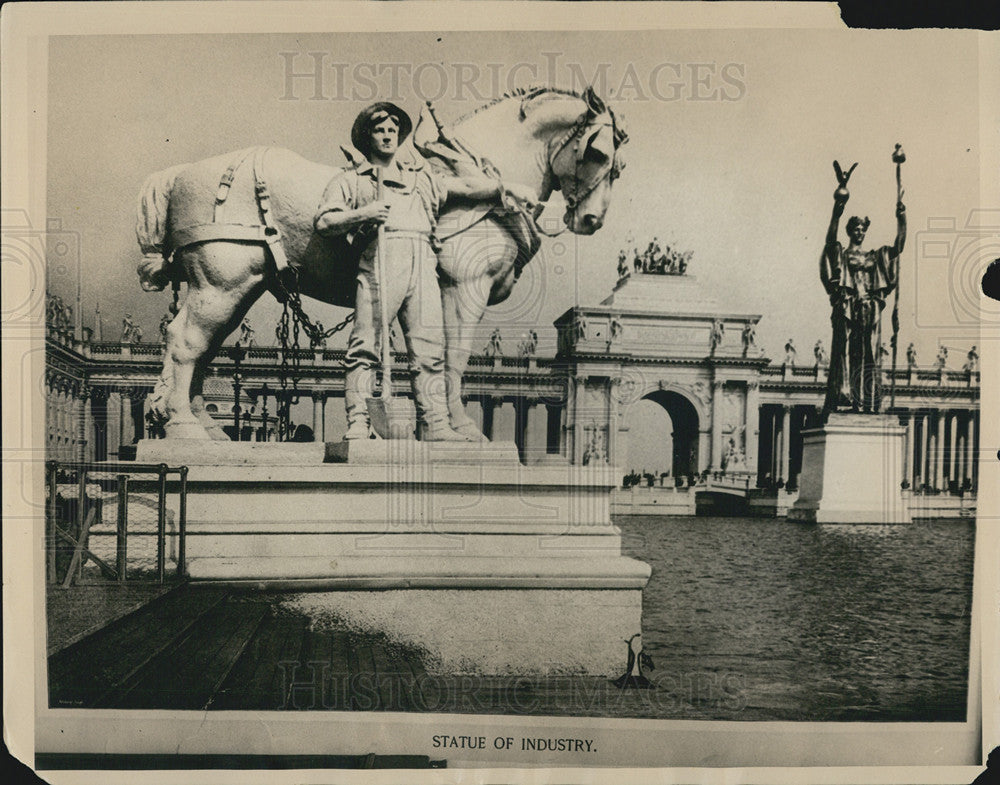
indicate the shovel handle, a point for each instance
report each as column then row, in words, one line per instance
column 383, row 315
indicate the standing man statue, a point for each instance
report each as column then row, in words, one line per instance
column 407, row 210
column 942, row 358
column 622, row 265
column 790, row 352
column 716, row 335
column 165, row 321
column 131, row 332
column 819, row 353
column 246, row 338
column 749, row 337
column 858, row 283
column 972, row 360
column 495, row 346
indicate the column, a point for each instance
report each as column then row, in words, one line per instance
column 99, row 416
column 924, row 447
column 966, row 433
column 704, row 443
column 958, row 457
column 520, row 426
column 717, row 386
column 553, row 428
column 953, row 447
column 939, row 446
column 907, row 420
column 578, row 443
column 124, row 402
column 504, row 421
column 80, row 420
column 536, row 429
column 975, row 449
column 138, row 399
column 487, row 402
column 786, row 441
column 613, row 418
column 317, row 416
column 322, row 417
column 752, row 419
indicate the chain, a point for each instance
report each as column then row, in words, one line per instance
column 283, row 413
column 294, row 320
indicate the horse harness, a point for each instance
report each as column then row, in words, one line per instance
column 573, row 136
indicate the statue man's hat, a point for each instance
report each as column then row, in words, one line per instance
column 371, row 116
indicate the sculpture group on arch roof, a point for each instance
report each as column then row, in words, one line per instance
column 526, row 347
column 653, row 260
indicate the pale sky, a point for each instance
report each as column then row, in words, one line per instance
column 746, row 184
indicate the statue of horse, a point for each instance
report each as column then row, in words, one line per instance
column 232, row 225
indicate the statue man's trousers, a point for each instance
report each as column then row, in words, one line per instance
column 412, row 294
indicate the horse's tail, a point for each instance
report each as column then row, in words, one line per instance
column 151, row 228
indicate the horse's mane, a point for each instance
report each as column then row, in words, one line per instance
column 528, row 93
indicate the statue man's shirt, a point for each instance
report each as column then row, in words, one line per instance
column 414, row 195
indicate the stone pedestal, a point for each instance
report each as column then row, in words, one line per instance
column 489, row 566
column 852, row 468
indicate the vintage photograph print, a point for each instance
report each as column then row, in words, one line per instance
column 425, row 398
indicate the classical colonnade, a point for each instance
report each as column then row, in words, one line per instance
column 940, row 445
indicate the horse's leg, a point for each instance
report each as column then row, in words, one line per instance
column 471, row 264
column 224, row 279
column 464, row 304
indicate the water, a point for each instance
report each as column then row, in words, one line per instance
column 762, row 619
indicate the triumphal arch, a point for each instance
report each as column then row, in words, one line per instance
column 662, row 338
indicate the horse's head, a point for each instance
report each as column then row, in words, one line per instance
column 584, row 161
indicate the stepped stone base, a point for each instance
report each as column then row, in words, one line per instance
column 489, row 566
column 851, row 472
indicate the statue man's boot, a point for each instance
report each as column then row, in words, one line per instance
column 358, row 423
column 439, row 430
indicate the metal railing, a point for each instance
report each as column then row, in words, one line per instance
column 85, row 516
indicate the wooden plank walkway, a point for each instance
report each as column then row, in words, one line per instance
column 204, row 647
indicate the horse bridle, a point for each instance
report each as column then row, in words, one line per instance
column 573, row 136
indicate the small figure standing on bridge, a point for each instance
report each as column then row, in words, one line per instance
column 790, row 352
column 911, row 356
